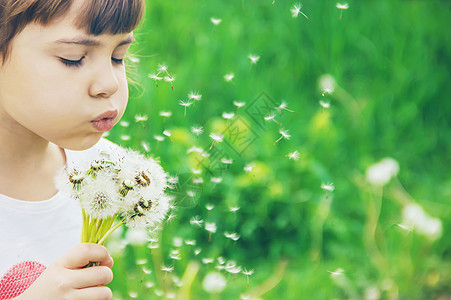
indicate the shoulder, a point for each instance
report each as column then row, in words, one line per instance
column 88, row 155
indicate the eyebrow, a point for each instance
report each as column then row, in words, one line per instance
column 84, row 41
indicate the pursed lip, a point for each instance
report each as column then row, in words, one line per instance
column 111, row 114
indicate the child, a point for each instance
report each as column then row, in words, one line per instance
column 62, row 85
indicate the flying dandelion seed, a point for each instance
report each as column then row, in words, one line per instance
column 195, row 96
column 342, row 7
column 228, row 116
column 163, row 68
column 125, row 137
column 215, row 180
column 168, row 134
column 272, row 117
column 185, row 104
column 324, row 104
column 226, row 161
column 217, row 138
column 254, row 59
column 211, row 228
column 215, row 21
column 167, row 269
column 228, row 77
column 175, row 255
column 249, row 167
column 145, row 146
column 170, row 79
column 209, row 207
column 283, row 135
column 207, row 260
column 159, row 138
column 139, row 118
column 293, row 155
column 197, row 130
column 247, row 273
column 283, row 106
column 196, row 220
column 190, row 242
column 234, row 208
column 165, row 114
column 156, row 78
column 296, row 10
column 329, row 187
column 198, row 180
column 124, row 124
column 239, row 104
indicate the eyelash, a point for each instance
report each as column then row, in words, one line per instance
column 77, row 63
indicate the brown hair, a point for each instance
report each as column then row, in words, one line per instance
column 96, row 17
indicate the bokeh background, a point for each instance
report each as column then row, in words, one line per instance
column 353, row 200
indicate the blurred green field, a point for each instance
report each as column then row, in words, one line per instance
column 388, row 63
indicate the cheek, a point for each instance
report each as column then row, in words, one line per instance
column 121, row 99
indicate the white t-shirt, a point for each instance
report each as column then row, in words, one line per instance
column 43, row 231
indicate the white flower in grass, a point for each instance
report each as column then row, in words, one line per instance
column 214, row 283
column 296, row 10
column 228, row 116
column 215, row 21
column 239, row 104
column 140, row 118
column 329, row 187
column 381, row 172
column 228, row 77
column 293, row 155
column 197, row 130
column 165, row 114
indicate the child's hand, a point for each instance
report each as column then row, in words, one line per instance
column 67, row 279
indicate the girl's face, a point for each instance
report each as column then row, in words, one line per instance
column 63, row 85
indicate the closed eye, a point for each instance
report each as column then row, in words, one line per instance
column 72, row 63
column 118, row 61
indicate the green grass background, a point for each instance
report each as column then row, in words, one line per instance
column 391, row 63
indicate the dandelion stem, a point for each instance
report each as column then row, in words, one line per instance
column 110, row 231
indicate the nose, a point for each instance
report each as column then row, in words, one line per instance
column 104, row 83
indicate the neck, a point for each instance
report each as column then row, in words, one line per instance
column 28, row 163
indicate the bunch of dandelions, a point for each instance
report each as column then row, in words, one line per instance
column 128, row 189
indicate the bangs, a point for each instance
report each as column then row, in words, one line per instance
column 110, row 16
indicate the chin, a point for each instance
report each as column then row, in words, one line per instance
column 81, row 144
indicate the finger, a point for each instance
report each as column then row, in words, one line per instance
column 94, row 293
column 82, row 254
column 91, row 277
